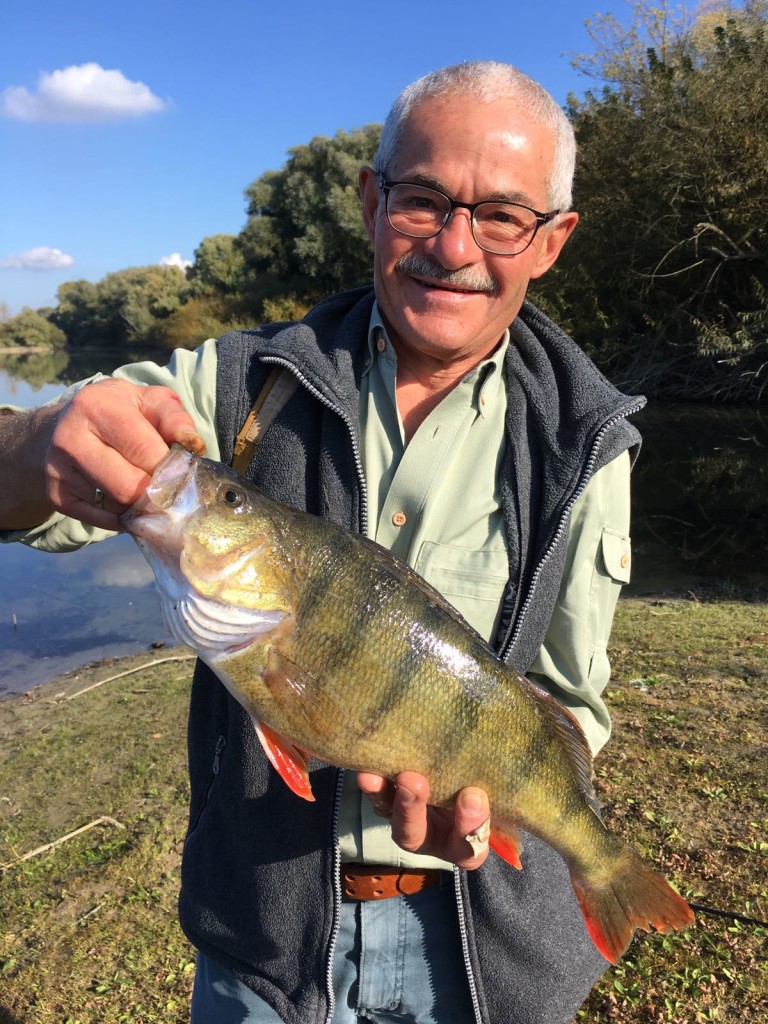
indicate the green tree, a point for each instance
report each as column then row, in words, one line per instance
column 670, row 261
column 30, row 329
column 200, row 318
column 78, row 313
column 304, row 238
column 217, row 267
column 123, row 308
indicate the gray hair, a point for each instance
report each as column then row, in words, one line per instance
column 487, row 81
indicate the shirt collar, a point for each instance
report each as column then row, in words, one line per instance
column 486, row 378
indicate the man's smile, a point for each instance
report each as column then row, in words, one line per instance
column 432, row 275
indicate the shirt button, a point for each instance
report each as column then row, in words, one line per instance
column 399, row 519
column 624, row 561
column 381, row 345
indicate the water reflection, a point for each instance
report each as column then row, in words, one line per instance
column 61, row 611
column 701, row 498
column 700, row 522
column 64, row 366
column 58, row 612
column 34, row 368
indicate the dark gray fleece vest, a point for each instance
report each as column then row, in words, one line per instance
column 259, row 883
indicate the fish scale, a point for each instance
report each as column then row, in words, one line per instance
column 339, row 651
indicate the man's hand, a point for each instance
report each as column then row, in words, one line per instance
column 435, row 831
column 110, row 435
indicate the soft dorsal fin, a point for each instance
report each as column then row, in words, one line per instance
column 572, row 739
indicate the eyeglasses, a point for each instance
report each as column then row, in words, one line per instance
column 505, row 229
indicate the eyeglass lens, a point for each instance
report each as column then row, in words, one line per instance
column 421, row 212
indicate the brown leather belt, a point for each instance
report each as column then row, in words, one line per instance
column 378, row 882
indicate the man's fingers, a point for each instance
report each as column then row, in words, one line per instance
column 163, row 409
column 111, row 435
column 472, row 824
column 140, row 423
column 380, row 792
column 410, row 818
column 459, row 835
column 472, row 811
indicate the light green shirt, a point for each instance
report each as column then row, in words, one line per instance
column 418, row 508
column 435, row 502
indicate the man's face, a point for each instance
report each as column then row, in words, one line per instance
column 472, row 151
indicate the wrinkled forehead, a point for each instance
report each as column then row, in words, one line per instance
column 494, row 144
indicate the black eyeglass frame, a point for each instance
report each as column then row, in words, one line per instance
column 541, row 218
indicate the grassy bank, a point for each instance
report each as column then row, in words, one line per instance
column 88, row 929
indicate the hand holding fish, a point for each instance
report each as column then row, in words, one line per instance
column 89, row 457
column 105, row 444
column 420, row 828
column 295, row 616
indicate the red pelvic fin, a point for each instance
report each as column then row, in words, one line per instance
column 634, row 896
column 508, row 845
column 289, row 762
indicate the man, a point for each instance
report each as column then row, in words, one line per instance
column 459, row 427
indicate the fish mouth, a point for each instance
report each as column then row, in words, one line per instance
column 158, row 522
column 166, row 490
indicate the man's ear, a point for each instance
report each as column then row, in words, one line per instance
column 553, row 239
column 370, row 195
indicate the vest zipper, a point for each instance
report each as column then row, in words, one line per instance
column 286, row 364
column 291, row 368
column 336, row 899
column 516, row 628
column 465, row 945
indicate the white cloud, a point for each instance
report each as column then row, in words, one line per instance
column 175, row 260
column 42, row 257
column 83, row 92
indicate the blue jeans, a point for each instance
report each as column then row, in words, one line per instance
column 397, row 961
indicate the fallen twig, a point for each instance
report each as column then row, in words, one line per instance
column 89, row 913
column 103, row 820
column 130, row 671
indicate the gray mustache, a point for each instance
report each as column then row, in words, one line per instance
column 473, row 278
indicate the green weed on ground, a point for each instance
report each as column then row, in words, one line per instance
column 684, row 779
column 88, row 929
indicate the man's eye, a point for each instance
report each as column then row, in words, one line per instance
column 418, row 202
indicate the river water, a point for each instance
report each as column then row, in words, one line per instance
column 700, row 526
column 59, row 612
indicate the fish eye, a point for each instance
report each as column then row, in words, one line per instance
column 234, row 497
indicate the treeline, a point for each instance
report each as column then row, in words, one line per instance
column 665, row 283
column 666, row 280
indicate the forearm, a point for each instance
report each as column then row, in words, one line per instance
column 24, row 440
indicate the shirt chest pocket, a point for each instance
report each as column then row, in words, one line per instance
column 617, row 555
column 472, row 580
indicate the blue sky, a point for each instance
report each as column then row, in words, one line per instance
column 128, row 131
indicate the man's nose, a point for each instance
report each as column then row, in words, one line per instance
column 455, row 245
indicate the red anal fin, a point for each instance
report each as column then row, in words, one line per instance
column 289, row 762
column 508, row 845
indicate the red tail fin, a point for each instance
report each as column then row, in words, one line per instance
column 632, row 896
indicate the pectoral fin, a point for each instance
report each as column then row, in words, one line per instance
column 290, row 763
column 300, row 696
